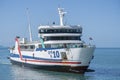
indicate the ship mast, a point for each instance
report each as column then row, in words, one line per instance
column 29, row 26
column 62, row 14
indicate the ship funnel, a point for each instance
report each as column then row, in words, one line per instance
column 62, row 14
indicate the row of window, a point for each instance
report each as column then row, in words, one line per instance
column 32, row 47
column 60, row 31
column 62, row 38
column 29, row 47
column 69, row 45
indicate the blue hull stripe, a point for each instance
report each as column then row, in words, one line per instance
column 30, row 57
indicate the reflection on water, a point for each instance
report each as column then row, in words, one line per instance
column 23, row 73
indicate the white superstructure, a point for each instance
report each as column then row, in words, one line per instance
column 59, row 48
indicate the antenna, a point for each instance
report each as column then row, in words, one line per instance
column 62, row 14
column 29, row 26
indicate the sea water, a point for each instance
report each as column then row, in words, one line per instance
column 106, row 64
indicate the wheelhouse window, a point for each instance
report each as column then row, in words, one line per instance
column 60, row 31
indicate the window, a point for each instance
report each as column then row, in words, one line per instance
column 32, row 47
column 63, row 38
column 22, row 47
column 40, row 46
column 42, row 31
column 27, row 47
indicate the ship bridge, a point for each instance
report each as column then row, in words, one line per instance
column 60, row 33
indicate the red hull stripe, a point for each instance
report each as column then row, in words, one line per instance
column 19, row 48
column 42, row 61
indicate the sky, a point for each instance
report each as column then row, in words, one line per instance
column 100, row 19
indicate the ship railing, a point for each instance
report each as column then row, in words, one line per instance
column 72, row 45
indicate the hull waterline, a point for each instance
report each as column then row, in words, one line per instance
column 78, row 69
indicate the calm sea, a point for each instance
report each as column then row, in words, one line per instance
column 106, row 64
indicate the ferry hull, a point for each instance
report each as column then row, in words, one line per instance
column 59, row 68
column 76, row 64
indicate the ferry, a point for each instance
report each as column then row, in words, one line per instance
column 59, row 48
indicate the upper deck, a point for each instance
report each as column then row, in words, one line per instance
column 60, row 29
column 60, row 32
